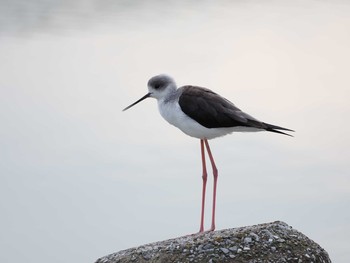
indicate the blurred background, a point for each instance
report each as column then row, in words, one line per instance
column 80, row 179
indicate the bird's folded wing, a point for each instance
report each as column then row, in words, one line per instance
column 211, row 110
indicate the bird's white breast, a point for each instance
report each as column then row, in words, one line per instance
column 172, row 113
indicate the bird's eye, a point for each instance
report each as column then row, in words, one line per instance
column 157, row 86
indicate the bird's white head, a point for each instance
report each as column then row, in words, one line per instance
column 159, row 87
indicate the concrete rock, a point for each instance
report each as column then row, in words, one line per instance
column 271, row 242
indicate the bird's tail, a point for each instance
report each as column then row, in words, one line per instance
column 276, row 129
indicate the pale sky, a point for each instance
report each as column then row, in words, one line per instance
column 80, row 179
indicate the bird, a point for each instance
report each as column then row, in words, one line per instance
column 203, row 114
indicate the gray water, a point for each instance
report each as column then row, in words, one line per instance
column 80, row 179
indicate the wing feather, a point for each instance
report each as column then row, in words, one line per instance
column 213, row 111
column 210, row 109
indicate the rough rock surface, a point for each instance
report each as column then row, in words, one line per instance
column 271, row 242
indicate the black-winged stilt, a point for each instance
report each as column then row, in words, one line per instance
column 203, row 114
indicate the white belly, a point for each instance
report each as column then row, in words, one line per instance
column 173, row 114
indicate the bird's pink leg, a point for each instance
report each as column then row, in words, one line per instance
column 204, row 177
column 215, row 173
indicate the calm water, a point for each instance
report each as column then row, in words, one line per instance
column 80, row 179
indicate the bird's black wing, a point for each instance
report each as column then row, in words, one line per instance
column 210, row 109
column 213, row 111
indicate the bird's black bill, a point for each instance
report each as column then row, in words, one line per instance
column 144, row 97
